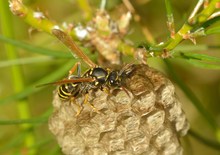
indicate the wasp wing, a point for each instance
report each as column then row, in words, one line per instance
column 68, row 41
column 65, row 81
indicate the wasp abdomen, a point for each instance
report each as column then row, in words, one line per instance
column 66, row 91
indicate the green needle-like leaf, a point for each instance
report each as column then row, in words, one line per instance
column 202, row 139
column 189, row 93
column 24, row 121
column 13, row 143
column 25, row 61
column 35, row 49
column 199, row 60
column 203, row 64
column 32, row 88
column 197, row 56
column 213, row 30
column 41, row 119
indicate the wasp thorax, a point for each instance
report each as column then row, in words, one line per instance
column 146, row 120
column 99, row 74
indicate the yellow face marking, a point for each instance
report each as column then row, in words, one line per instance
column 90, row 73
column 116, row 77
column 96, row 83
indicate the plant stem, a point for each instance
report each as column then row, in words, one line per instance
column 33, row 18
column 198, row 19
column 17, row 76
column 178, row 37
column 207, row 12
column 170, row 18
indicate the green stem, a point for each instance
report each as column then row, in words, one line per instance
column 178, row 37
column 205, row 14
column 170, row 18
column 38, row 120
column 33, row 18
column 187, row 27
column 17, row 76
column 44, row 24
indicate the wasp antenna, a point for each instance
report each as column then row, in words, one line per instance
column 68, row 41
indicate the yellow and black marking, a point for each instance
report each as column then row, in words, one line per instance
column 100, row 78
column 93, row 79
column 63, row 92
column 99, row 74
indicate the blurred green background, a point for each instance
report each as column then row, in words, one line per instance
column 18, row 138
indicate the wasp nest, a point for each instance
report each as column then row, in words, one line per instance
column 147, row 119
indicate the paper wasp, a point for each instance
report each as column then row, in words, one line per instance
column 93, row 79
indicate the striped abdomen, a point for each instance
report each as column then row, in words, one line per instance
column 66, row 91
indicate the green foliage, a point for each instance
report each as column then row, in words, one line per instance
column 199, row 60
column 39, row 50
column 21, row 63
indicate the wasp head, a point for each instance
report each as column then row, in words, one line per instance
column 114, row 79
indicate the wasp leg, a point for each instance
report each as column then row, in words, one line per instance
column 90, row 104
column 79, row 111
column 126, row 91
column 80, row 106
column 76, row 66
column 106, row 90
